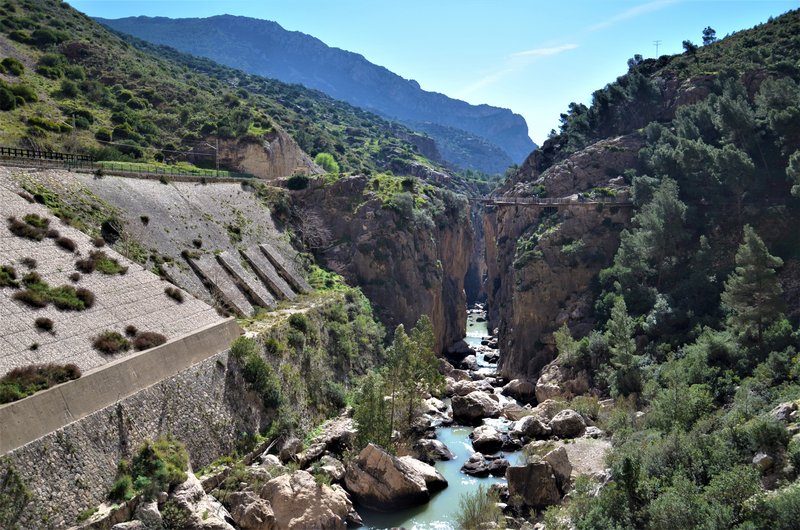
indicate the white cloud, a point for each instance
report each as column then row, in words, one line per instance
column 543, row 52
column 512, row 63
column 632, row 13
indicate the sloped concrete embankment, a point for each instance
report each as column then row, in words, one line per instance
column 205, row 405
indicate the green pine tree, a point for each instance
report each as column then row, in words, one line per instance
column 752, row 295
column 627, row 375
column 371, row 413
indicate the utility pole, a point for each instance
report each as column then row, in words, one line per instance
column 216, row 155
column 656, row 43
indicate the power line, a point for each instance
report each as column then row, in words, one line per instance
column 156, row 148
column 656, row 43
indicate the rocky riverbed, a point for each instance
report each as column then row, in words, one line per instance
column 486, row 430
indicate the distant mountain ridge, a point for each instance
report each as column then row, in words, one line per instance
column 475, row 136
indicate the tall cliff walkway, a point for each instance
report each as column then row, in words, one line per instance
column 575, row 200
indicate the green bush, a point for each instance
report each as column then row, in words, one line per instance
column 100, row 261
column 122, row 490
column 479, row 510
column 29, row 228
column 111, row 342
column 159, row 465
column 47, row 125
column 8, row 101
column 263, row 380
column 103, row 134
column 297, row 182
column 174, row 516
column 26, row 380
column 13, row 66
column 327, row 162
column 244, row 347
column 44, row 37
column 69, row 88
column 299, row 322
column 8, row 276
column 24, row 92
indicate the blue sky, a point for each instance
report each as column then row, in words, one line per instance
column 531, row 56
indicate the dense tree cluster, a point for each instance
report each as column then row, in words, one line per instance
column 693, row 325
column 388, row 400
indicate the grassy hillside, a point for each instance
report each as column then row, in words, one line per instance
column 647, row 92
column 479, row 137
column 69, row 84
column 698, row 338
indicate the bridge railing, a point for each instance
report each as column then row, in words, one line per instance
column 554, row 201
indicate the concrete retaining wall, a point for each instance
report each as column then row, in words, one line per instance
column 206, row 406
column 26, row 420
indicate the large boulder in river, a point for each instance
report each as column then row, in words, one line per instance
column 521, row 390
column 462, row 388
column 531, row 427
column 379, row 481
column 568, row 424
column 486, row 439
column 534, row 485
column 299, row 502
column 430, row 451
column 470, row 362
column 433, row 479
column 514, row 412
column 474, row 407
column 497, row 467
column 476, row 465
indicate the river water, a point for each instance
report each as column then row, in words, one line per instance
column 441, row 511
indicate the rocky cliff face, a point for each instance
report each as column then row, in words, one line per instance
column 543, row 259
column 277, row 155
column 406, row 266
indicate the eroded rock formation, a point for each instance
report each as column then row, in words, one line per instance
column 543, row 259
column 407, row 267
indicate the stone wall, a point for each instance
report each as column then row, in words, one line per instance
column 72, row 469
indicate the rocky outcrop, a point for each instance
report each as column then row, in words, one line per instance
column 299, row 502
column 534, row 485
column 206, row 513
column 521, row 390
column 557, row 382
column 531, row 427
column 251, row 512
column 405, row 266
column 381, row 482
column 567, row 424
column 198, row 510
column 542, row 260
column 474, row 407
column 276, row 155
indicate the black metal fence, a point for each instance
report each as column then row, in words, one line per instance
column 35, row 154
column 75, row 161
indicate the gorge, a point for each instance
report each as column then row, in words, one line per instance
column 233, row 303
